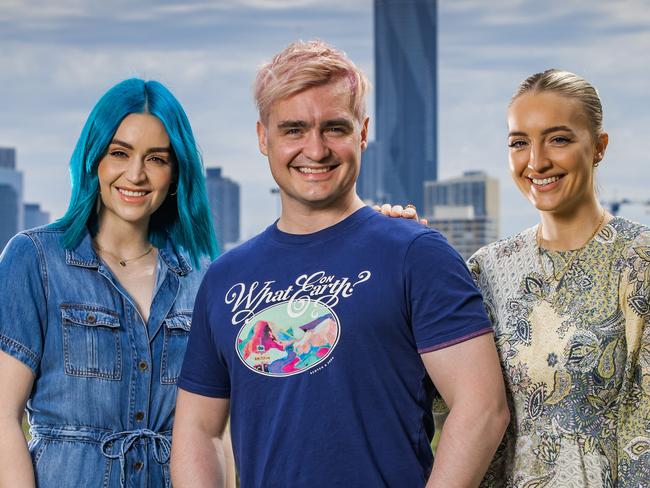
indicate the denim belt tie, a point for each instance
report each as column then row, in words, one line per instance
column 123, row 441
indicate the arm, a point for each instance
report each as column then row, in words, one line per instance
column 197, row 458
column 632, row 433
column 16, row 381
column 468, row 376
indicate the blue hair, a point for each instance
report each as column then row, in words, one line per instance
column 185, row 217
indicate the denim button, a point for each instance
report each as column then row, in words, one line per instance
column 91, row 318
column 142, row 365
column 139, row 416
column 138, row 465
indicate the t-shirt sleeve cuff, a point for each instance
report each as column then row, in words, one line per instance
column 209, row 391
column 424, row 347
column 17, row 350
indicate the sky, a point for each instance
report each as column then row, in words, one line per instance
column 57, row 57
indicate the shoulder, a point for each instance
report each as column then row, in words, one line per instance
column 512, row 252
column 627, row 230
column 399, row 233
column 233, row 258
column 505, row 248
column 30, row 242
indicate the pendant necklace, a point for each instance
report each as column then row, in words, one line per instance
column 123, row 262
column 574, row 255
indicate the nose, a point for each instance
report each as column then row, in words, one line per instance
column 538, row 160
column 134, row 171
column 315, row 147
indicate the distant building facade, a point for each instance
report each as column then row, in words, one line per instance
column 224, row 199
column 11, row 196
column 465, row 209
column 34, row 216
column 406, row 84
column 369, row 183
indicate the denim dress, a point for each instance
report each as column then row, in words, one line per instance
column 102, row 405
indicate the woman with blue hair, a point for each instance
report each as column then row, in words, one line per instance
column 97, row 306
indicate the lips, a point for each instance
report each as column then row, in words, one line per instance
column 309, row 171
column 544, row 181
column 132, row 193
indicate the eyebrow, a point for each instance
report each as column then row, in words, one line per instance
column 292, row 124
column 555, row 128
column 337, row 123
column 301, row 124
column 151, row 149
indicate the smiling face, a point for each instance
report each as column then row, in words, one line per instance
column 136, row 172
column 552, row 151
column 313, row 142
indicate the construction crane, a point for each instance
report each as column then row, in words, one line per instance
column 615, row 205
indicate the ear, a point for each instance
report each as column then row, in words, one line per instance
column 601, row 146
column 261, row 138
column 364, row 133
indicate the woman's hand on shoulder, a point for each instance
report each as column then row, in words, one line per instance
column 397, row 211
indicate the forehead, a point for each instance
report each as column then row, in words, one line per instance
column 331, row 100
column 546, row 109
column 137, row 127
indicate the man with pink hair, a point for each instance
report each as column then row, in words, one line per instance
column 375, row 315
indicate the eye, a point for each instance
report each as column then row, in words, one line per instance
column 118, row 153
column 517, row 144
column 292, row 132
column 157, row 160
column 560, row 140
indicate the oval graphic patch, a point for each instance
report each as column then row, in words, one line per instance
column 288, row 338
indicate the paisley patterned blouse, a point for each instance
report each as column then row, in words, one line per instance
column 573, row 333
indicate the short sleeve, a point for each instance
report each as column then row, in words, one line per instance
column 204, row 370
column 446, row 306
column 23, row 310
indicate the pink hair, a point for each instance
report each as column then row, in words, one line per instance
column 303, row 65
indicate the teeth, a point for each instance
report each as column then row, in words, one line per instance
column 313, row 170
column 545, row 181
column 130, row 193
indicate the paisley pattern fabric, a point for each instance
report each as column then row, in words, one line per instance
column 573, row 334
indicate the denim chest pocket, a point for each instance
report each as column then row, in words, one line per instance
column 177, row 331
column 91, row 342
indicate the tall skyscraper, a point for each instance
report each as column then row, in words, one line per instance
column 11, row 196
column 34, row 216
column 223, row 196
column 406, row 96
column 465, row 209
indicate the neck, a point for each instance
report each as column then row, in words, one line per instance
column 564, row 232
column 301, row 219
column 120, row 237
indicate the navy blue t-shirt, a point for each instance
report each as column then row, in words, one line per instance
column 316, row 340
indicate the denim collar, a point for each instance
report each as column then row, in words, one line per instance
column 85, row 256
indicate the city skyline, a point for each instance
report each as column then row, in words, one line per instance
column 58, row 57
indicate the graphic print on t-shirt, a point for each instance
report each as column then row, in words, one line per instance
column 276, row 344
column 298, row 327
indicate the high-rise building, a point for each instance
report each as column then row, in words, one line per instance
column 7, row 157
column 34, row 216
column 473, row 188
column 11, row 196
column 223, row 196
column 369, row 184
column 406, row 96
column 465, row 209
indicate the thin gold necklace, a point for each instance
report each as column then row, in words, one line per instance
column 574, row 255
column 123, row 262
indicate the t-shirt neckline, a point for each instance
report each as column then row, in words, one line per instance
column 322, row 235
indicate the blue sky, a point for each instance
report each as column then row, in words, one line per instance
column 58, row 56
